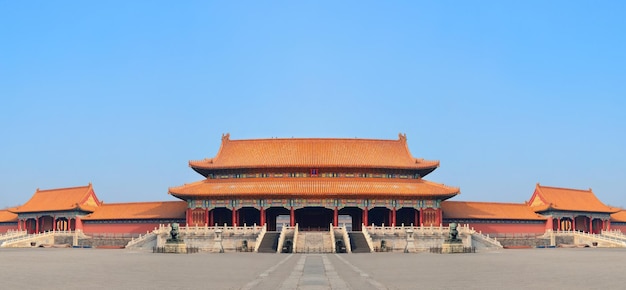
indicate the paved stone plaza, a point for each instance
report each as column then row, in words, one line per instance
column 585, row 268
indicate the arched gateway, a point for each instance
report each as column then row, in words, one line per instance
column 313, row 181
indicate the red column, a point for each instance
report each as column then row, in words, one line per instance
column 336, row 217
column 211, row 219
column 608, row 225
column 393, row 216
column 234, row 217
column 37, row 225
column 439, row 216
column 573, row 224
column 262, row 218
column 206, row 216
column 54, row 223
column 365, row 215
column 591, row 225
column 421, row 217
column 292, row 217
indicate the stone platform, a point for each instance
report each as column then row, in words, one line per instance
column 175, row 248
column 452, row 248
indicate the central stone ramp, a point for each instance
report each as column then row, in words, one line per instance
column 358, row 243
column 314, row 242
column 269, row 244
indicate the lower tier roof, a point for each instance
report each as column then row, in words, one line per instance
column 140, row 210
column 319, row 187
column 488, row 211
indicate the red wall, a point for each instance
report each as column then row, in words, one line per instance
column 621, row 227
column 122, row 228
column 5, row 227
column 495, row 228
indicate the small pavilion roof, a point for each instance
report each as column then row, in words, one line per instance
column 567, row 199
column 61, row 199
column 140, row 210
column 7, row 216
column 488, row 210
column 318, row 187
column 314, row 153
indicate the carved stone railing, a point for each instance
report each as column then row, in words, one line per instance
column 31, row 237
column 281, row 238
column 149, row 235
column 295, row 238
column 12, row 234
column 617, row 234
column 346, row 240
column 260, row 238
column 332, row 239
column 608, row 239
column 368, row 238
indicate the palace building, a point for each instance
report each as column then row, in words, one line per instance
column 313, row 182
column 317, row 183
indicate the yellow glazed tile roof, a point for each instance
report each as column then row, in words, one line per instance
column 60, row 199
column 140, row 210
column 311, row 186
column 567, row 199
column 7, row 216
column 488, row 210
column 312, row 153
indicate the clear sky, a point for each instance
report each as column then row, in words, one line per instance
column 123, row 94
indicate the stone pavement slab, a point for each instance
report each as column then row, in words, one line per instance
column 587, row 268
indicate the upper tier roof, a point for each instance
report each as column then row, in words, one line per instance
column 61, row 199
column 318, row 187
column 313, row 153
column 566, row 199
column 488, row 210
column 140, row 210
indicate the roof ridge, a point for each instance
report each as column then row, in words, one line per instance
column 487, row 202
column 566, row 188
column 402, row 137
column 63, row 188
column 141, row 202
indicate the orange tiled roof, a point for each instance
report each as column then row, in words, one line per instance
column 567, row 199
column 619, row 216
column 140, row 210
column 7, row 216
column 313, row 187
column 59, row 199
column 488, row 210
column 314, row 152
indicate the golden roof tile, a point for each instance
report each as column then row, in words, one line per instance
column 488, row 210
column 567, row 199
column 324, row 187
column 140, row 210
column 619, row 216
column 312, row 153
column 61, row 199
column 7, row 216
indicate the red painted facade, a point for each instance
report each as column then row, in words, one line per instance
column 119, row 228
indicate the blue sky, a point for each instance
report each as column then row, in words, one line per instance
column 124, row 93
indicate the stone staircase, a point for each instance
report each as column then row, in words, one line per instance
column 46, row 238
column 269, row 243
column 11, row 235
column 614, row 234
column 358, row 243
